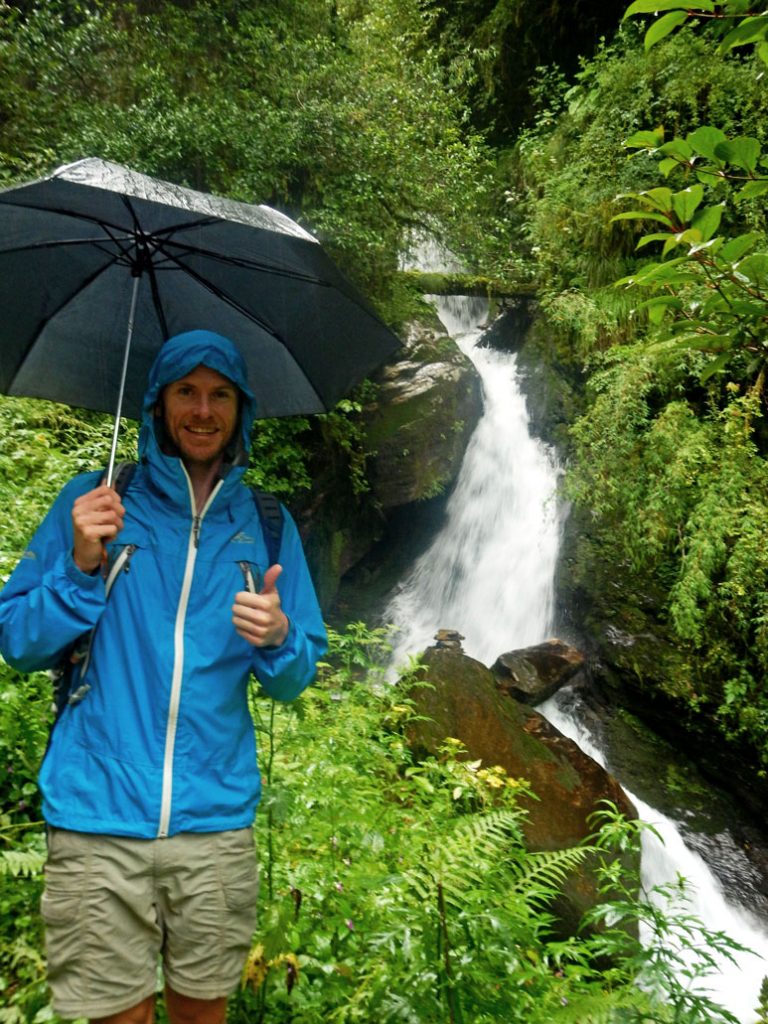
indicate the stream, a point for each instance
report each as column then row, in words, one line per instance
column 489, row 573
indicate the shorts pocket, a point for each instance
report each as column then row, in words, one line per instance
column 240, row 893
column 60, row 907
column 65, row 878
column 238, row 869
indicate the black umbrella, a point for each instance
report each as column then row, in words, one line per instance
column 99, row 265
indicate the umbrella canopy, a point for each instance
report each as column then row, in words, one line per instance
column 96, row 254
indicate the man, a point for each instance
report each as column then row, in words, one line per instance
column 150, row 782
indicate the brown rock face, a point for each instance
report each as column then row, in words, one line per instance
column 465, row 703
column 428, row 404
column 532, row 674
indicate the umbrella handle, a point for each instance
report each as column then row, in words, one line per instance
column 123, row 377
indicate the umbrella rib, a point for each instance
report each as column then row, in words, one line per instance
column 241, row 261
column 226, row 298
column 254, row 319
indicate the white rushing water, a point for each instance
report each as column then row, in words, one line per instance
column 734, row 985
column 489, row 574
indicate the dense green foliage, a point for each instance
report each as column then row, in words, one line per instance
column 396, row 890
column 392, row 890
column 644, row 187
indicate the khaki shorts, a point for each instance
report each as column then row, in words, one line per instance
column 113, row 906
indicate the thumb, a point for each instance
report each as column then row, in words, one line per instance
column 270, row 579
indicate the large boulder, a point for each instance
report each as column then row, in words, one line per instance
column 428, row 404
column 533, row 674
column 464, row 702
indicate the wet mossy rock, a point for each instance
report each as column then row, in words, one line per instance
column 462, row 700
column 533, row 674
column 428, row 404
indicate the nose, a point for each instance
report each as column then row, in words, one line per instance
column 202, row 406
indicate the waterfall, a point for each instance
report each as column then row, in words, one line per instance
column 489, row 574
column 735, row 985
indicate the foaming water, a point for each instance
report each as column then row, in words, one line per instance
column 490, row 572
column 734, row 985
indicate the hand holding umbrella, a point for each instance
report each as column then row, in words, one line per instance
column 96, row 517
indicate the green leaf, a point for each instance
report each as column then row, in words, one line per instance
column 668, row 165
column 690, row 237
column 645, row 139
column 715, row 366
column 657, row 236
column 660, row 198
column 762, row 52
column 707, row 221
column 661, row 28
column 679, row 148
column 743, row 151
column 755, row 267
column 658, row 306
column 653, row 6
column 705, row 140
column 752, row 189
column 643, row 215
column 738, row 247
column 749, row 30
column 710, row 176
column 686, row 202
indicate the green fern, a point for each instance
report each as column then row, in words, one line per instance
column 21, row 863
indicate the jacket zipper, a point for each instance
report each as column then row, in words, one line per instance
column 178, row 659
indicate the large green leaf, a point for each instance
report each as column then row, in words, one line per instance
column 645, row 139
column 678, row 148
column 743, row 151
column 738, row 247
column 753, row 189
column 707, row 221
column 661, row 28
column 643, row 215
column 750, row 30
column 657, row 236
column 686, row 202
column 705, row 140
column 755, row 267
column 659, row 198
column 715, row 366
column 653, row 6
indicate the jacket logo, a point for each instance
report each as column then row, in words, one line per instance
column 242, row 538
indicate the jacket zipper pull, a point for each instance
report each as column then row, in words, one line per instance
column 196, row 530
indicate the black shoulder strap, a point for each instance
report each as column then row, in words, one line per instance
column 121, row 476
column 271, row 516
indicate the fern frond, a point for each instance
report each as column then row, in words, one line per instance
column 597, row 1007
column 541, row 874
column 21, row 863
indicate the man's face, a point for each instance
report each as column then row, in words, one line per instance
column 200, row 412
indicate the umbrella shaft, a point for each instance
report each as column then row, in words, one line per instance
column 123, row 376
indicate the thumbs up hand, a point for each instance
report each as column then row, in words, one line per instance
column 259, row 618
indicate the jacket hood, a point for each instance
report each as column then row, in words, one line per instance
column 178, row 357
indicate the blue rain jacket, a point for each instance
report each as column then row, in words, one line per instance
column 162, row 742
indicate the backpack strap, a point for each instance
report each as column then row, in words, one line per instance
column 271, row 516
column 271, row 519
column 121, row 476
